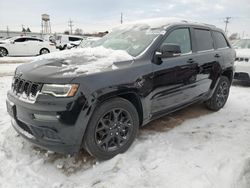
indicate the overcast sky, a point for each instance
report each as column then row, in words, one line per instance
column 101, row 15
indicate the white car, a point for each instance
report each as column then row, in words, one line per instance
column 63, row 40
column 242, row 61
column 25, row 46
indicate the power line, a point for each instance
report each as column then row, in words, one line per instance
column 71, row 26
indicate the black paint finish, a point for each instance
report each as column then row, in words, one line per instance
column 155, row 90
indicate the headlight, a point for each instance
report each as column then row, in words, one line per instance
column 60, row 90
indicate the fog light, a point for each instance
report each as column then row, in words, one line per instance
column 46, row 117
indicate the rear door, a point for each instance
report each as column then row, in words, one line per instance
column 207, row 59
column 224, row 51
column 33, row 46
column 174, row 80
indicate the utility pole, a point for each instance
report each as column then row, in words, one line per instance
column 121, row 18
column 7, row 30
column 71, row 26
column 227, row 22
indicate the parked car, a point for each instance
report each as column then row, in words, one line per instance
column 49, row 38
column 63, row 40
column 25, row 46
column 242, row 61
column 168, row 65
column 88, row 41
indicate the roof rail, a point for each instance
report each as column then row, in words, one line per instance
column 210, row 25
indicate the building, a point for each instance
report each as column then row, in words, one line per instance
column 4, row 34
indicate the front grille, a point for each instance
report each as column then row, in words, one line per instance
column 242, row 59
column 26, row 89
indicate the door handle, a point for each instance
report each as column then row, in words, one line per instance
column 217, row 55
column 190, row 61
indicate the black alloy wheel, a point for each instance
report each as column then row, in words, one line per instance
column 220, row 95
column 112, row 128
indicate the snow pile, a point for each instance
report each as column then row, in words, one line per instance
column 80, row 60
column 193, row 148
column 87, row 60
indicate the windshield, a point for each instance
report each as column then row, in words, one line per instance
column 242, row 44
column 133, row 39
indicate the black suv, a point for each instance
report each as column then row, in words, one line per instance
column 173, row 64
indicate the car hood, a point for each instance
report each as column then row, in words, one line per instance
column 243, row 53
column 62, row 67
column 3, row 41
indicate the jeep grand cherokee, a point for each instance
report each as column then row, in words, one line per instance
column 173, row 64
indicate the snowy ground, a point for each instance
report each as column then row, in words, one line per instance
column 16, row 59
column 192, row 148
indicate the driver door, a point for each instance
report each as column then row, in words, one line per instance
column 19, row 47
column 174, row 79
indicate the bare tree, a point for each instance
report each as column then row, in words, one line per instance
column 78, row 31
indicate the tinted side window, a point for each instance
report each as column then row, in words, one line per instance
column 20, row 40
column 31, row 39
column 180, row 37
column 204, row 39
column 74, row 39
column 220, row 40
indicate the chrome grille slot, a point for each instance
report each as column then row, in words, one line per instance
column 34, row 89
column 26, row 89
column 242, row 59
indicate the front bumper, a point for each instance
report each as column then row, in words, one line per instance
column 61, row 134
column 242, row 71
column 52, row 145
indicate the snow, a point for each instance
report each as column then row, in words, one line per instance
column 8, row 69
column 80, row 60
column 242, row 65
column 243, row 53
column 192, row 148
column 13, row 60
column 91, row 60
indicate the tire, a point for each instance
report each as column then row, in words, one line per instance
column 63, row 47
column 112, row 129
column 44, row 51
column 3, row 52
column 220, row 95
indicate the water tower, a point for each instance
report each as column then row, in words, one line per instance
column 46, row 28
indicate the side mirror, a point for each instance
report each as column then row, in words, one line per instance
column 12, row 42
column 166, row 51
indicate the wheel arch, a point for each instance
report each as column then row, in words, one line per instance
column 42, row 49
column 130, row 96
column 5, row 49
column 228, row 73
